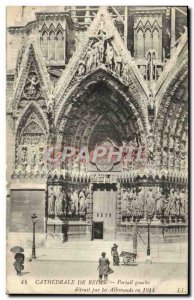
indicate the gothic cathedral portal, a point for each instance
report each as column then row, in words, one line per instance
column 98, row 125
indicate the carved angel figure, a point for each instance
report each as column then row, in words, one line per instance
column 30, row 89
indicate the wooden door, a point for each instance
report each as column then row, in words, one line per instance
column 104, row 210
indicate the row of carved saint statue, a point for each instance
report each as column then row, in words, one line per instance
column 141, row 200
column 67, row 201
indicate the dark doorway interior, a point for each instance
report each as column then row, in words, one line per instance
column 98, row 230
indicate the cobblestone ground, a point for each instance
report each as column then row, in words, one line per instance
column 143, row 278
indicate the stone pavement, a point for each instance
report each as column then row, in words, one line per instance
column 91, row 251
column 78, row 261
column 42, row 276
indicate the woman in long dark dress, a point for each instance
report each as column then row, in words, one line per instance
column 115, row 255
column 103, row 267
column 19, row 263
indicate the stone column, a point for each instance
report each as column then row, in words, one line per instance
column 89, row 216
column 118, row 205
column 173, row 37
column 87, row 15
column 73, row 14
column 135, row 237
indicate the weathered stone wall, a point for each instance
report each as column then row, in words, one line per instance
column 14, row 43
column 23, row 204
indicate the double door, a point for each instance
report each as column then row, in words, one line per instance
column 104, row 213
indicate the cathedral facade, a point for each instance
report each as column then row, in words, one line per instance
column 97, row 122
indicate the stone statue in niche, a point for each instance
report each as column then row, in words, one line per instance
column 33, row 157
column 75, row 201
column 173, row 126
column 165, row 158
column 88, row 191
column 26, row 139
column 59, row 202
column 151, row 65
column 109, row 56
column 100, row 47
column 171, row 159
column 118, row 64
column 166, row 129
column 50, row 114
column 125, row 198
column 183, row 200
column 159, row 201
column 151, row 103
column 182, row 149
column 82, row 201
column 134, row 201
column 81, row 68
column 150, row 201
column 82, row 167
column 140, row 199
column 24, row 158
column 150, row 147
column 179, row 209
column 165, row 140
column 125, row 73
column 171, row 143
column 69, row 164
column 177, row 161
column 182, row 156
column 141, row 128
column 157, row 157
column 125, row 163
column 183, row 163
column 51, row 201
column 130, row 198
column 171, row 206
column 177, row 203
column 89, row 60
column 70, row 203
column 41, row 157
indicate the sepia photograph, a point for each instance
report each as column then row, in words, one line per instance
column 97, row 142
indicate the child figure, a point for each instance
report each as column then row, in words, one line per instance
column 18, row 264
